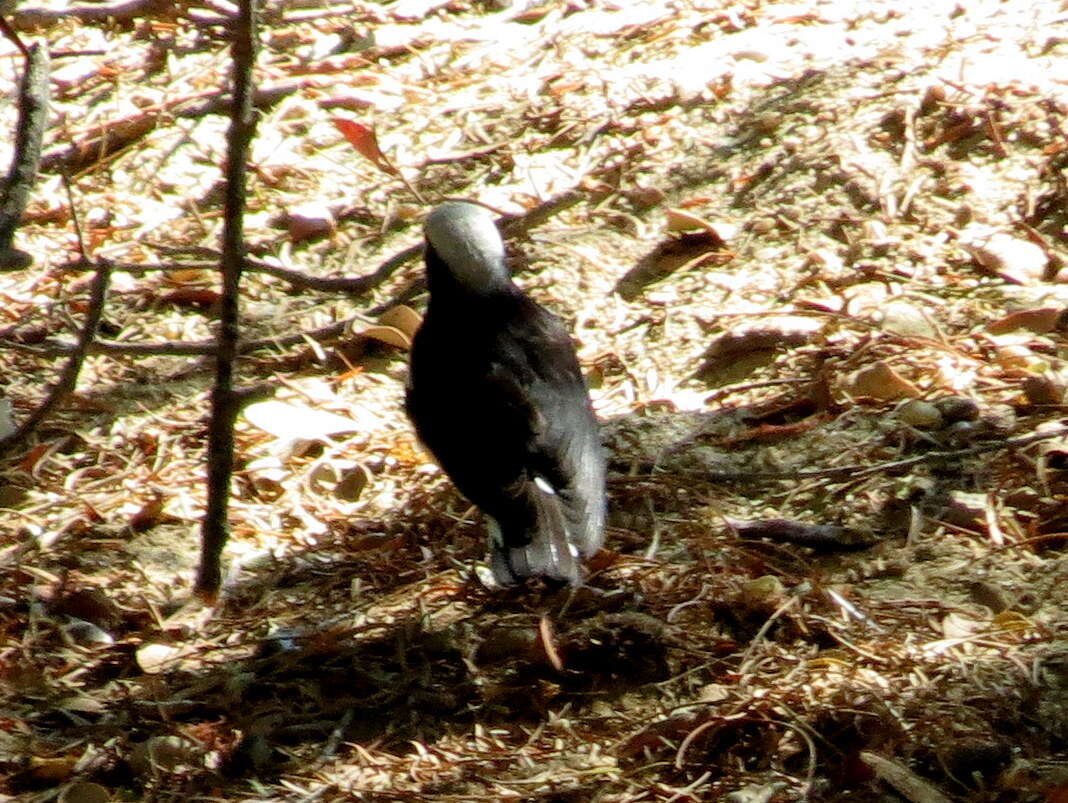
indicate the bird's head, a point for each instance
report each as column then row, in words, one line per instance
column 464, row 249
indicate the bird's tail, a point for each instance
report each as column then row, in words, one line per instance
column 543, row 546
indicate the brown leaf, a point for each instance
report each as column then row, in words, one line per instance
column 198, row 298
column 389, row 335
column 1040, row 321
column 402, row 317
column 880, row 381
column 57, row 768
column 186, row 276
column 150, row 514
column 91, row 604
column 778, row 333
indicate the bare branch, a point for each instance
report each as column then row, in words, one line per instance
column 215, row 528
column 540, row 214
column 68, row 378
column 353, row 286
column 33, row 111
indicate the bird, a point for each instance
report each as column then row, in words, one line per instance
column 496, row 394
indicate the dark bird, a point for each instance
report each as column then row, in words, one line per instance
column 496, row 394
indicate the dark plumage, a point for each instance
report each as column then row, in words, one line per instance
column 495, row 392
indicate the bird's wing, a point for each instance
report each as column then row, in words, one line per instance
column 564, row 445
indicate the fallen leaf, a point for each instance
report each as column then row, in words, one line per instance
column 390, row 335
column 1040, row 321
column 187, row 276
column 402, row 317
column 150, row 514
column 364, row 140
column 820, row 536
column 199, row 298
column 52, row 768
column 692, row 249
column 880, row 381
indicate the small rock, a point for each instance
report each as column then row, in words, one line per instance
column 900, row 317
column 86, row 634
column 1013, row 259
column 767, row 123
column 825, row 258
column 965, row 509
column 646, row 197
column 84, row 792
column 957, row 408
column 762, row 592
column 993, row 596
column 153, row 658
column 875, row 232
column 311, row 221
column 763, row 225
column 920, row 414
column 961, row 433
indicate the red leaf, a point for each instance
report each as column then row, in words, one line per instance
column 363, row 139
column 192, row 298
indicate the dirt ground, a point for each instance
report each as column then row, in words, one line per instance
column 812, row 255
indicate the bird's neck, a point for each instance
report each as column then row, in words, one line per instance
column 469, row 282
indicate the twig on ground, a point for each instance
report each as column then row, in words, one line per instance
column 112, row 138
column 853, row 471
column 202, row 348
column 541, row 213
column 121, row 12
column 215, row 528
column 349, row 285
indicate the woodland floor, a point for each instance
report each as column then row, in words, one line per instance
column 811, row 255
